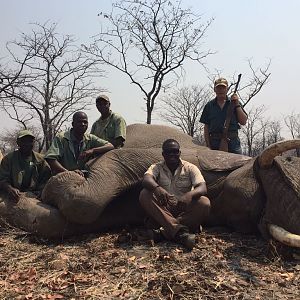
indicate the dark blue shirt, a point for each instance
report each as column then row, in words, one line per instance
column 215, row 117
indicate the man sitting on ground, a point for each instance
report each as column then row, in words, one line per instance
column 174, row 196
column 70, row 150
column 24, row 169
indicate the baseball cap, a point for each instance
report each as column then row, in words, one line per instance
column 25, row 132
column 102, row 97
column 221, row 81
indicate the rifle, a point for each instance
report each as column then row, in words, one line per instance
column 224, row 139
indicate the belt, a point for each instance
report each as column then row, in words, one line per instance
column 218, row 136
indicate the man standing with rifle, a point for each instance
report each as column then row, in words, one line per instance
column 222, row 118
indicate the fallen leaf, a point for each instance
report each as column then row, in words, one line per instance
column 132, row 258
column 143, row 266
column 64, row 256
column 177, row 288
column 31, row 274
column 55, row 296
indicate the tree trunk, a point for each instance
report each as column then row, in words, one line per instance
column 149, row 115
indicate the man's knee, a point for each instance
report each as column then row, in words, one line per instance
column 204, row 203
column 145, row 196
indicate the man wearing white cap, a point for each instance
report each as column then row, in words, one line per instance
column 23, row 169
column 214, row 116
column 110, row 126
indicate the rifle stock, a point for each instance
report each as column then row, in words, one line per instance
column 224, row 140
column 223, row 144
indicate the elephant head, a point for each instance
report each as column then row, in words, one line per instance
column 280, row 178
column 264, row 194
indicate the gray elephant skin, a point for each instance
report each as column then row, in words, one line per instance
column 246, row 193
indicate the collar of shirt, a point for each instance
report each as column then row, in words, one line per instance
column 34, row 157
column 166, row 169
column 216, row 103
column 110, row 113
column 70, row 137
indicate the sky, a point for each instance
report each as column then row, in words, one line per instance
column 260, row 30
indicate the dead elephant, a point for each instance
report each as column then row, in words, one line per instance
column 246, row 193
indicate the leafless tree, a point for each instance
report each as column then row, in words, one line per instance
column 259, row 132
column 250, row 85
column 149, row 40
column 8, row 139
column 182, row 107
column 270, row 133
column 48, row 79
column 292, row 122
column 9, row 77
column 253, row 128
column 273, row 132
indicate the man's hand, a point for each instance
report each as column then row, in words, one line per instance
column 184, row 200
column 163, row 197
column 86, row 154
column 13, row 193
column 235, row 99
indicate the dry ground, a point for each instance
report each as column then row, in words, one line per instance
column 117, row 265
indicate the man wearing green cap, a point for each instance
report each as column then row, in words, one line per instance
column 24, row 169
column 110, row 126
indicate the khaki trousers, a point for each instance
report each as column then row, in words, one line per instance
column 174, row 217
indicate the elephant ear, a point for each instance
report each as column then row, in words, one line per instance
column 220, row 161
column 282, row 189
column 290, row 169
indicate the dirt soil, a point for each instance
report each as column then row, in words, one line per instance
column 121, row 265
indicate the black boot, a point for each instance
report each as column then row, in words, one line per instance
column 186, row 239
column 156, row 235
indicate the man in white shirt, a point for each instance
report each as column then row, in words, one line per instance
column 174, row 196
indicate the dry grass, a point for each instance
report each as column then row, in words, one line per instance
column 116, row 265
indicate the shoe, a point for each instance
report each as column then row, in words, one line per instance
column 186, row 239
column 156, row 235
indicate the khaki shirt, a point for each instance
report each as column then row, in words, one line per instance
column 25, row 175
column 109, row 129
column 62, row 149
column 184, row 179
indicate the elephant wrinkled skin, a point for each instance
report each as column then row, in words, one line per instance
column 246, row 193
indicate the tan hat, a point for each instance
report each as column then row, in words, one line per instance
column 221, row 81
column 102, row 97
column 23, row 133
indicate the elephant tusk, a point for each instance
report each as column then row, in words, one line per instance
column 283, row 236
column 266, row 158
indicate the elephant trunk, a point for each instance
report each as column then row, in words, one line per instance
column 283, row 236
column 266, row 158
column 82, row 201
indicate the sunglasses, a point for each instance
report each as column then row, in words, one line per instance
column 171, row 151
